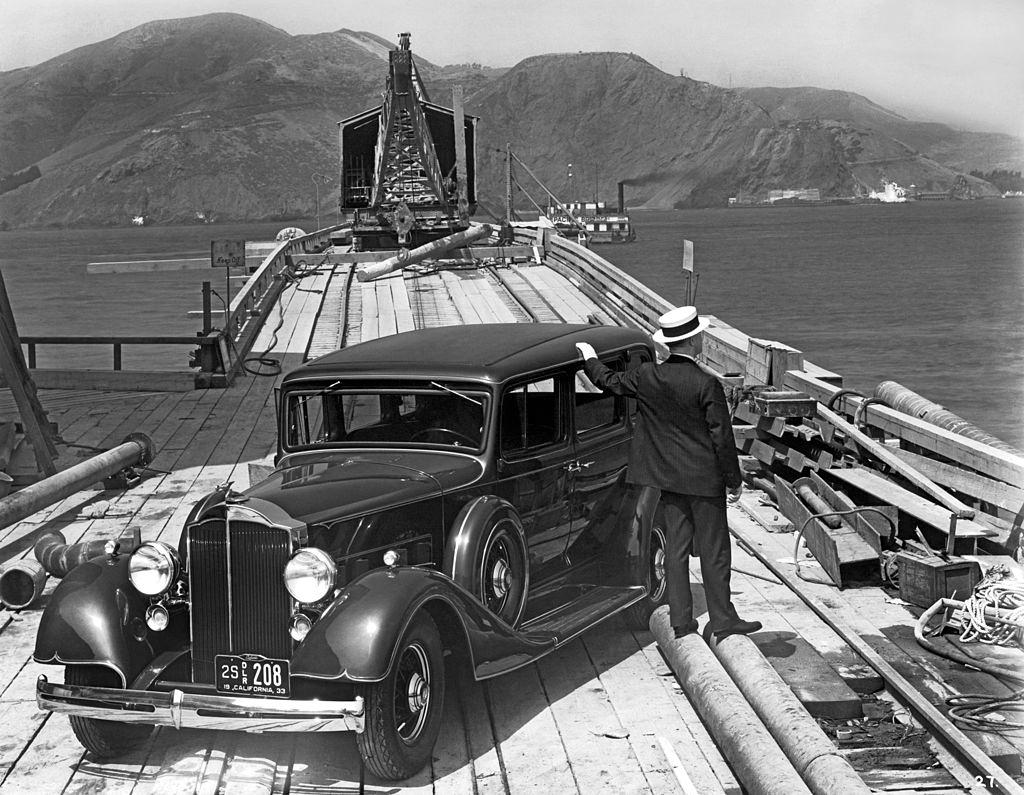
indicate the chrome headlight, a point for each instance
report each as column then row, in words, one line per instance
column 153, row 568
column 309, row 575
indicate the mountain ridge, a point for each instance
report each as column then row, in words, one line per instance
column 226, row 116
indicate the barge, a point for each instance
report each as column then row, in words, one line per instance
column 602, row 712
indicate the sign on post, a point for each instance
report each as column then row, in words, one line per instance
column 227, row 253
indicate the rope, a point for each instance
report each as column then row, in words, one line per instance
column 998, row 590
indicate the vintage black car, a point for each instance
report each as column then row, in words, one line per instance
column 455, row 488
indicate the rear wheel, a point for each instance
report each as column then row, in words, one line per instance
column 403, row 711
column 501, row 582
column 103, row 738
column 654, row 576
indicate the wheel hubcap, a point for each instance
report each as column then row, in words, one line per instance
column 501, row 579
column 657, row 563
column 412, row 692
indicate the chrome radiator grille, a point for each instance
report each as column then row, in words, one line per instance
column 239, row 602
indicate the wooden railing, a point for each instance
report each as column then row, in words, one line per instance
column 219, row 352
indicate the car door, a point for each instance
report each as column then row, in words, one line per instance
column 534, row 454
column 601, row 437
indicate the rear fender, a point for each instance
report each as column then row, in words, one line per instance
column 356, row 638
column 96, row 617
column 638, row 535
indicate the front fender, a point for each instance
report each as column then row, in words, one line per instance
column 357, row 637
column 96, row 617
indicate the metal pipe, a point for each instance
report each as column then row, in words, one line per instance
column 21, row 583
column 136, row 449
column 431, row 249
column 755, row 757
column 812, row 753
column 909, row 402
column 818, row 505
column 59, row 557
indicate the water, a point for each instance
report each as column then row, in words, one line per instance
column 927, row 294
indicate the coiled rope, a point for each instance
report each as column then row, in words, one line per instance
column 998, row 590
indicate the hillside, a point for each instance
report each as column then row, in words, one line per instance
column 226, row 117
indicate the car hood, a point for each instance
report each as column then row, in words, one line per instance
column 317, row 487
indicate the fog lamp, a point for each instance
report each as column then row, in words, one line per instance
column 153, row 568
column 157, row 618
column 300, row 627
column 309, row 575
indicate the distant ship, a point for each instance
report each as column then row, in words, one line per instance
column 601, row 224
column 891, row 193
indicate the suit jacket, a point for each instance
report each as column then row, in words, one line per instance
column 683, row 440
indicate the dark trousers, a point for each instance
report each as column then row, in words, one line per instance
column 689, row 518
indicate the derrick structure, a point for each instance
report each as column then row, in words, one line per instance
column 400, row 163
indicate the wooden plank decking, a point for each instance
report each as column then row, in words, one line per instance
column 587, row 719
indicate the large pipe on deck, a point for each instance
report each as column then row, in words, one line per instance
column 812, row 753
column 909, row 402
column 136, row 450
column 426, row 251
column 58, row 557
column 755, row 757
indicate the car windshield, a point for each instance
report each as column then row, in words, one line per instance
column 430, row 414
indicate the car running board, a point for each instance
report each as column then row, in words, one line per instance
column 585, row 611
column 508, row 649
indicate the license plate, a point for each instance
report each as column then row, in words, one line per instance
column 252, row 675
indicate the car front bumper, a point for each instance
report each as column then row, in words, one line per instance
column 199, row 711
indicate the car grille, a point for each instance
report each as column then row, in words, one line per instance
column 239, row 602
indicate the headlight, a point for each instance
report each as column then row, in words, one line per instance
column 309, row 575
column 153, row 568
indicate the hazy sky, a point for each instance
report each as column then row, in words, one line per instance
column 957, row 61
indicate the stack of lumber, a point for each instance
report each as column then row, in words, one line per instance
column 947, row 492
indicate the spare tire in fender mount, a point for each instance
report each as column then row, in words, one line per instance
column 486, row 554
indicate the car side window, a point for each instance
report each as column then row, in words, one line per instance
column 530, row 417
column 593, row 409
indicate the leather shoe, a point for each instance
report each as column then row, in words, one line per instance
column 739, row 628
column 685, row 630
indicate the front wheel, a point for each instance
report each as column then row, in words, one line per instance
column 403, row 711
column 654, row 577
column 104, row 739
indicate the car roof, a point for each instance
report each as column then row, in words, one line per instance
column 489, row 351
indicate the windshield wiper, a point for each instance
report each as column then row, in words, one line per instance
column 472, row 400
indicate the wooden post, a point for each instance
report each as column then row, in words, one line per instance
column 23, row 388
column 687, row 269
column 460, row 153
column 509, row 211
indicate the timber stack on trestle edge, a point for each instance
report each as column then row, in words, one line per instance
column 902, row 519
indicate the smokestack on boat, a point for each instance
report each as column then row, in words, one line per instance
column 622, row 198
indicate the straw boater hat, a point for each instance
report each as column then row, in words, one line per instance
column 679, row 324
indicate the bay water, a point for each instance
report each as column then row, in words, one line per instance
column 929, row 294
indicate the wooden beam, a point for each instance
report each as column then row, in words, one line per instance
column 121, row 380
column 995, row 492
column 975, row 455
column 886, row 456
column 19, row 380
column 920, row 508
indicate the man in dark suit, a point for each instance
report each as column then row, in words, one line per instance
column 683, row 444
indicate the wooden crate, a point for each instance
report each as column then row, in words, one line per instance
column 926, row 579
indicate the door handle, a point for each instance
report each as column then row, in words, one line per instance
column 579, row 466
